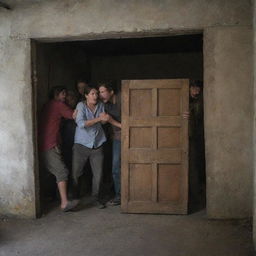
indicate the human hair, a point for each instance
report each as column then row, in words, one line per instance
column 196, row 83
column 72, row 94
column 71, row 98
column 107, row 85
column 80, row 80
column 56, row 90
column 88, row 89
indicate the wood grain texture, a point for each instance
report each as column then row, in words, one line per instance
column 155, row 146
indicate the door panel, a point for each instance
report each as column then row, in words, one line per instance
column 154, row 146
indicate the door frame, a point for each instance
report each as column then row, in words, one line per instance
column 34, row 84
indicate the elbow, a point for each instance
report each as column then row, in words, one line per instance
column 86, row 124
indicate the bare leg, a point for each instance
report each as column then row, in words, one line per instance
column 62, row 186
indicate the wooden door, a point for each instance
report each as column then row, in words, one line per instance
column 154, row 146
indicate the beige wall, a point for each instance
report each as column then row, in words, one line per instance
column 228, row 121
column 228, row 94
column 17, row 189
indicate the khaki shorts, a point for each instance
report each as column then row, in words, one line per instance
column 53, row 162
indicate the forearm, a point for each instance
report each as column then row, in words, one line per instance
column 92, row 122
column 115, row 123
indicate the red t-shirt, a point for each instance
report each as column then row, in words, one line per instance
column 49, row 124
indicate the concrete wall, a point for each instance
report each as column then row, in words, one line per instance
column 17, row 196
column 227, row 26
column 65, row 19
column 228, row 121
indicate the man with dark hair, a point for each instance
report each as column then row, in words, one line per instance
column 196, row 142
column 113, row 108
column 89, row 139
column 81, row 84
column 49, row 141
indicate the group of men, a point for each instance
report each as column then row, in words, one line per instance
column 56, row 153
column 57, row 127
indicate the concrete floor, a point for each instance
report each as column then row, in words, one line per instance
column 95, row 232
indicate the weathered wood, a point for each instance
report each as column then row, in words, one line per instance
column 173, row 121
column 125, row 145
column 154, row 146
column 159, row 83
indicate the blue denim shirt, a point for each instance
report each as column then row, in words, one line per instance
column 93, row 136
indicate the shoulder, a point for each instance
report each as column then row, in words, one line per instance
column 108, row 105
column 54, row 104
column 61, row 104
column 100, row 105
column 80, row 105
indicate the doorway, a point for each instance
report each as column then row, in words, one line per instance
column 62, row 63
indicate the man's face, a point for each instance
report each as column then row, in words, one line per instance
column 92, row 97
column 61, row 96
column 194, row 91
column 71, row 100
column 104, row 94
column 80, row 87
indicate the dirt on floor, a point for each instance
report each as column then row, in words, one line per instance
column 107, row 232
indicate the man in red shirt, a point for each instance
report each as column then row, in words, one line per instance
column 49, row 141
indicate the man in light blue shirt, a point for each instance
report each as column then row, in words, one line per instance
column 89, row 138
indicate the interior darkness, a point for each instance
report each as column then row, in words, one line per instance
column 146, row 45
column 63, row 63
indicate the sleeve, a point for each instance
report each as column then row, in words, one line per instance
column 66, row 111
column 81, row 116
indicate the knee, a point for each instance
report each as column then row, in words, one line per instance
column 75, row 177
column 61, row 176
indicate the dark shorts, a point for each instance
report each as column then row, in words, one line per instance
column 53, row 162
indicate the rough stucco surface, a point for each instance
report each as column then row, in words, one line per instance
column 16, row 150
column 78, row 18
column 229, row 171
column 228, row 121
